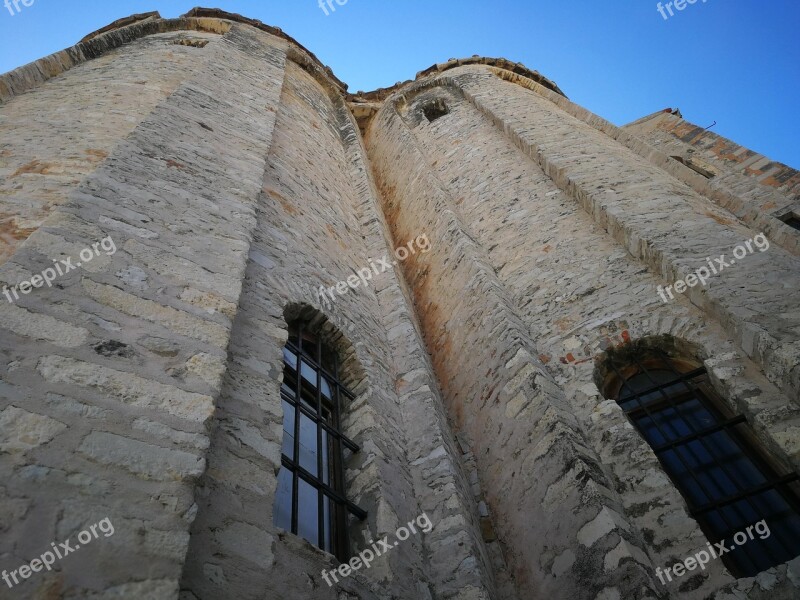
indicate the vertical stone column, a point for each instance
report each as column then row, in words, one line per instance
column 110, row 376
column 440, row 484
column 554, row 508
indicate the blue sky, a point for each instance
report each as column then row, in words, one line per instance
column 736, row 62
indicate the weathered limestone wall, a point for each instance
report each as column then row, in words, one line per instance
column 503, row 177
column 319, row 223
column 233, row 180
column 109, row 378
column 533, row 461
column 119, row 33
column 756, row 303
column 58, row 133
column 745, row 171
column 756, row 189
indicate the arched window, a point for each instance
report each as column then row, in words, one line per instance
column 714, row 459
column 310, row 500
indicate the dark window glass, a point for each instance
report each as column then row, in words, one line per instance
column 713, row 459
column 310, row 499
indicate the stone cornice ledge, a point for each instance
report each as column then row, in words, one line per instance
column 214, row 20
column 32, row 75
column 128, row 29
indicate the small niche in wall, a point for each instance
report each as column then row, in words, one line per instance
column 192, row 43
column 694, row 166
column 792, row 219
column 435, row 109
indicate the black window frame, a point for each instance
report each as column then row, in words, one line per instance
column 697, row 385
column 341, row 507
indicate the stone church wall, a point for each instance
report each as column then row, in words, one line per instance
column 571, row 231
column 111, row 378
column 228, row 170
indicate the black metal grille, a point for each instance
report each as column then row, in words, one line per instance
column 714, row 460
column 311, row 500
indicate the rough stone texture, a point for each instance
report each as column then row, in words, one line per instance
column 21, row 430
column 236, row 176
column 43, row 155
column 177, row 193
column 500, row 183
column 745, row 170
column 507, row 403
column 319, row 221
column 756, row 189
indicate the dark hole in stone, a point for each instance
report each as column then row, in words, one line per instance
column 435, row 109
column 112, row 348
column 204, row 126
column 792, row 220
column 192, row 43
column 694, row 167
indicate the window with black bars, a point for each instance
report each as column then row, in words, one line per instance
column 310, row 500
column 714, row 459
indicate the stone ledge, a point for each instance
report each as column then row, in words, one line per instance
column 124, row 22
column 381, row 94
column 30, row 76
column 217, row 13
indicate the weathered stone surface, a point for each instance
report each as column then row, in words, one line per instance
column 22, row 430
column 143, row 590
column 178, row 321
column 236, row 177
column 502, row 184
column 162, row 432
column 247, row 542
column 147, row 460
column 41, row 327
column 207, row 367
column 127, row 388
column 604, row 523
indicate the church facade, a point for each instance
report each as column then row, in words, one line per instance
column 263, row 338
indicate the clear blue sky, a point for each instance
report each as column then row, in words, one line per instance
column 736, row 62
